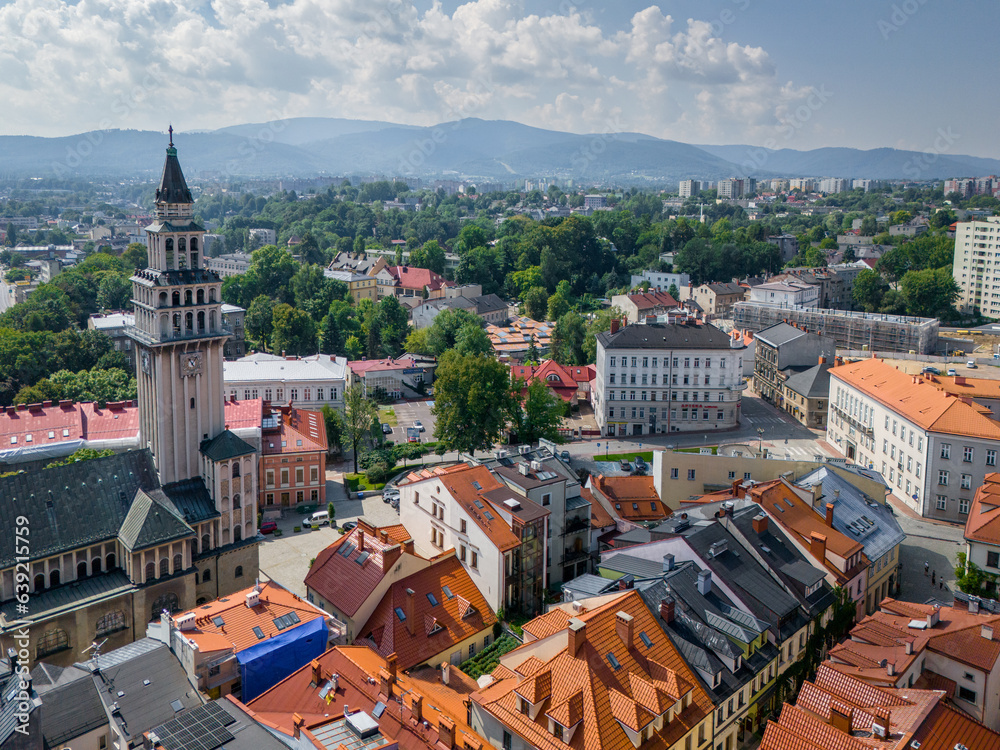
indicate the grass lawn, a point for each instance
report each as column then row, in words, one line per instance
column 387, row 415
column 646, row 456
column 359, row 483
column 715, row 450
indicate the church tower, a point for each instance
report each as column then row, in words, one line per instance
column 178, row 334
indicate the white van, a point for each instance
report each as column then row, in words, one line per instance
column 317, row 519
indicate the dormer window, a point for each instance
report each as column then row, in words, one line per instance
column 525, row 707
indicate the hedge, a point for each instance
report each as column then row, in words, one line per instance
column 488, row 659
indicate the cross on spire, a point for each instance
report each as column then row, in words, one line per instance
column 170, row 129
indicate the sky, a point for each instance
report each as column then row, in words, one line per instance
column 776, row 73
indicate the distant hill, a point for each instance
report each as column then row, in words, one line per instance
column 469, row 148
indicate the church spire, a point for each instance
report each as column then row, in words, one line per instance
column 173, row 188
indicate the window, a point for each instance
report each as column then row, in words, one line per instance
column 993, row 559
column 966, row 481
column 943, row 477
column 111, row 623
column 611, row 381
column 967, row 454
column 50, row 642
column 690, row 475
column 967, row 695
column 991, row 458
column 918, row 470
column 673, row 473
column 963, row 507
column 613, row 359
column 461, row 553
column 942, row 502
column 475, row 560
column 945, row 450
column 732, row 475
column 507, row 740
column 546, row 499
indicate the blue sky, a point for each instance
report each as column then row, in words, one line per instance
column 785, row 74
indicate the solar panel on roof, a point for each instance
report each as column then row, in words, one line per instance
column 202, row 728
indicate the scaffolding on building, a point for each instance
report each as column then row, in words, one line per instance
column 851, row 330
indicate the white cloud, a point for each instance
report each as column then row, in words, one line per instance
column 67, row 67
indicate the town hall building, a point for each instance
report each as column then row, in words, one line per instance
column 111, row 543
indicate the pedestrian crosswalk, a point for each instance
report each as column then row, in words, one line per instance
column 762, row 420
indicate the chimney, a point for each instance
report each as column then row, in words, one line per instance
column 880, row 723
column 626, row 582
column 822, row 359
column 817, row 545
column 445, row 672
column 297, row 722
column 408, row 547
column 973, row 608
column 317, row 673
column 890, row 668
column 829, row 515
column 446, row 731
column 624, row 628
column 735, row 488
column 817, row 493
column 704, row 582
column 410, row 596
column 933, row 617
column 667, row 609
column 842, row 717
column 614, row 325
column 385, row 682
column 390, row 665
column 389, row 557
column 909, row 645
column 668, row 563
column 361, row 539
column 987, row 632
column 417, row 706
column 577, row 635
column 760, row 523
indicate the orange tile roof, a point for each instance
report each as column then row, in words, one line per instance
column 564, row 380
column 238, row 620
column 429, row 628
column 358, row 670
column 983, row 523
column 599, row 516
column 960, row 385
column 946, row 727
column 411, row 277
column 545, row 625
column 343, row 581
column 586, row 687
column 298, row 431
column 633, row 498
column 243, row 414
column 917, row 400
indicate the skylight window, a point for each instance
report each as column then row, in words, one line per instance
column 286, row 620
column 645, row 639
column 432, row 599
column 447, row 592
column 477, row 485
column 258, row 632
column 489, row 516
column 218, row 621
column 400, row 614
column 615, row 664
column 362, row 557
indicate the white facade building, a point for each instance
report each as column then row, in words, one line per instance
column 667, row 377
column 304, row 382
column 786, row 293
column 662, row 281
column 933, row 449
column 833, row 185
column 689, row 188
column 229, row 265
column 976, row 268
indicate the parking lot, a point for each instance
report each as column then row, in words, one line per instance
column 406, row 413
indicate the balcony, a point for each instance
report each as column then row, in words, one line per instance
column 576, row 525
column 574, row 555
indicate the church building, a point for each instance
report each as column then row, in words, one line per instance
column 110, row 543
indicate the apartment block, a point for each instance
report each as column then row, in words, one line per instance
column 689, row 187
column 976, row 268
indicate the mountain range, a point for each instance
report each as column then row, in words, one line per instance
column 483, row 150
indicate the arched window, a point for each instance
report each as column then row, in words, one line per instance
column 194, row 547
column 166, row 602
column 81, row 569
column 201, row 321
column 169, row 247
column 178, row 563
column 150, row 571
column 110, row 561
column 211, row 294
column 54, row 578
column 196, row 578
column 177, row 324
column 206, row 575
column 51, row 642
column 201, row 297
column 164, row 567
column 192, row 402
column 236, row 468
column 188, row 322
column 249, row 523
column 95, row 566
column 40, row 582
column 211, row 322
column 187, row 296
column 237, row 533
column 111, row 622
column 176, row 298
column 238, row 573
column 163, row 299
column 164, row 325
column 236, row 501
column 204, row 543
column 225, row 536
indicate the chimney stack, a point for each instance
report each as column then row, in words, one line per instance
column 829, row 515
column 389, row 557
column 668, row 563
column 626, row 582
column 760, row 523
column 417, row 706
column 667, row 609
column 704, row 582
column 297, row 722
column 390, row 665
column 624, row 627
column 822, row 359
column 577, row 635
column 317, row 673
column 361, row 539
column 614, row 325
column 410, row 596
column 909, row 645
column 446, row 731
column 987, row 632
column 890, row 668
column 842, row 717
column 817, row 545
column 817, row 493
column 408, row 547
column 445, row 672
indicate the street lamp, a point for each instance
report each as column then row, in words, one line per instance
column 760, row 441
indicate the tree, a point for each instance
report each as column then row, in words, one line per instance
column 443, row 333
column 416, row 342
column 271, row 270
column 674, row 292
column 390, row 320
column 869, row 289
column 598, row 324
column 557, row 307
column 532, row 356
column 568, row 338
column 135, row 256
column 930, row 293
column 536, row 302
column 430, row 256
column 259, row 320
column 868, row 226
column 353, row 348
column 541, row 414
column 359, row 414
column 294, row 331
column 473, row 401
column 334, row 423
column 114, row 292
column 473, row 339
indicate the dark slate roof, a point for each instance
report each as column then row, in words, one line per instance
column 587, row 585
column 488, row 303
column 636, row 566
column 189, row 498
column 665, row 336
column 72, row 596
column 780, row 333
column 225, row 445
column 729, row 287
column 11, row 707
column 637, row 535
column 75, row 505
column 173, row 188
column 811, row 383
column 142, row 707
column 150, row 523
column 71, row 707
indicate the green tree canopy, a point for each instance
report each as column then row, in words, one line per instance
column 360, row 412
column 540, row 415
column 473, row 401
column 259, row 319
column 294, row 331
column 473, row 339
column 568, row 338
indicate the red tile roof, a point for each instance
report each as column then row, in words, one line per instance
column 360, row 366
column 564, row 381
column 244, row 414
column 983, row 523
column 358, row 671
column 632, row 498
column 652, row 300
column 344, row 582
column 298, row 431
column 429, row 628
column 410, row 277
column 238, row 620
column 599, row 516
column 585, row 686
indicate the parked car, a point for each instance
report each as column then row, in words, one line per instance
column 268, row 527
column 317, row 519
column 624, row 465
column 971, row 364
column 418, row 425
column 412, row 435
column 639, row 462
column 931, row 371
column 389, row 495
column 386, row 429
column 349, row 526
column 952, row 371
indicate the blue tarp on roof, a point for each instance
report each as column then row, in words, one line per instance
column 265, row 665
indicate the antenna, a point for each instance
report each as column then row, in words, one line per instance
column 96, row 648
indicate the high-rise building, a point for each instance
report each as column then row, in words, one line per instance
column 689, row 188
column 977, row 278
column 833, row 185
column 731, row 188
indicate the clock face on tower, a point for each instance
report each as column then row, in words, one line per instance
column 191, row 363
